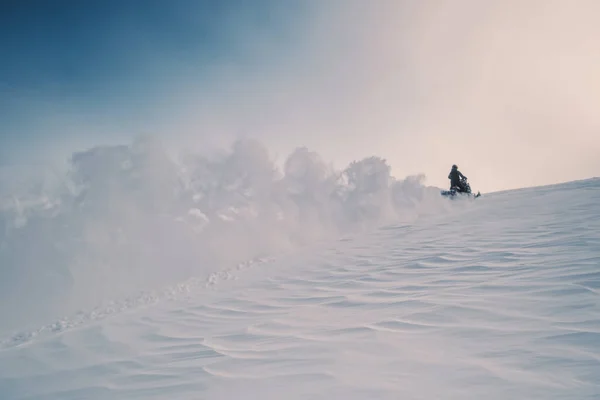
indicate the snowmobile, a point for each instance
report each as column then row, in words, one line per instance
column 464, row 189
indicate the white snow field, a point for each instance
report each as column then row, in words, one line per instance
column 496, row 298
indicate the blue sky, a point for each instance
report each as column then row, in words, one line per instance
column 75, row 47
column 114, row 60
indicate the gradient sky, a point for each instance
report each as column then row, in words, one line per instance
column 99, row 68
column 508, row 90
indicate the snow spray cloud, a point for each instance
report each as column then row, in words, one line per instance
column 132, row 217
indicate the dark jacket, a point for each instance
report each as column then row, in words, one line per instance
column 454, row 177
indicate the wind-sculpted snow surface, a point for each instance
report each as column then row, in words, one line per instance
column 499, row 299
column 130, row 218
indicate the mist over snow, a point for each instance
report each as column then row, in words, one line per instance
column 127, row 218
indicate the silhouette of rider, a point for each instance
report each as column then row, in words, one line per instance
column 454, row 177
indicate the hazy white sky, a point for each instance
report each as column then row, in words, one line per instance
column 508, row 90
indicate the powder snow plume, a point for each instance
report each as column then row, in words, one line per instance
column 134, row 217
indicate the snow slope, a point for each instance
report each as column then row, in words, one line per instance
column 496, row 298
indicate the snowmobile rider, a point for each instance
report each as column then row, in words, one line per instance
column 455, row 176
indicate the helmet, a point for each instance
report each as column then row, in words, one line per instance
column 454, row 166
